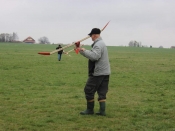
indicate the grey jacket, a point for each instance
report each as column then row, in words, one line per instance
column 99, row 55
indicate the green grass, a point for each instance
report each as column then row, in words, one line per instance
column 39, row 93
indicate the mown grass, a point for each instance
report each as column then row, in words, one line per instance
column 39, row 93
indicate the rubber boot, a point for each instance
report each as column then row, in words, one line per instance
column 89, row 110
column 102, row 109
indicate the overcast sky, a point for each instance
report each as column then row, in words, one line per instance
column 151, row 22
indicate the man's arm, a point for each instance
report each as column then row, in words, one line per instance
column 93, row 54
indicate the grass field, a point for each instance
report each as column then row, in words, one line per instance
column 39, row 93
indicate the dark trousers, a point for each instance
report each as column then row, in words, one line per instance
column 97, row 84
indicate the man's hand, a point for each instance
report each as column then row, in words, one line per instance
column 82, row 49
column 77, row 44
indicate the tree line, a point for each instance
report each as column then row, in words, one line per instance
column 135, row 44
column 6, row 37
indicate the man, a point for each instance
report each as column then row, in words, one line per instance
column 99, row 71
column 60, row 52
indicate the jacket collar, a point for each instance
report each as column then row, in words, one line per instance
column 99, row 38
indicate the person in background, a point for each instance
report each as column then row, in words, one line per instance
column 60, row 52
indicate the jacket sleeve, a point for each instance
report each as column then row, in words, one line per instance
column 94, row 54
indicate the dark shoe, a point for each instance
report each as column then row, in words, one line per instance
column 102, row 109
column 89, row 110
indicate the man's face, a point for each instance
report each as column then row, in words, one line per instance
column 93, row 37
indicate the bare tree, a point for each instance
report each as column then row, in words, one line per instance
column 134, row 44
column 2, row 37
column 15, row 36
column 44, row 40
column 9, row 38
